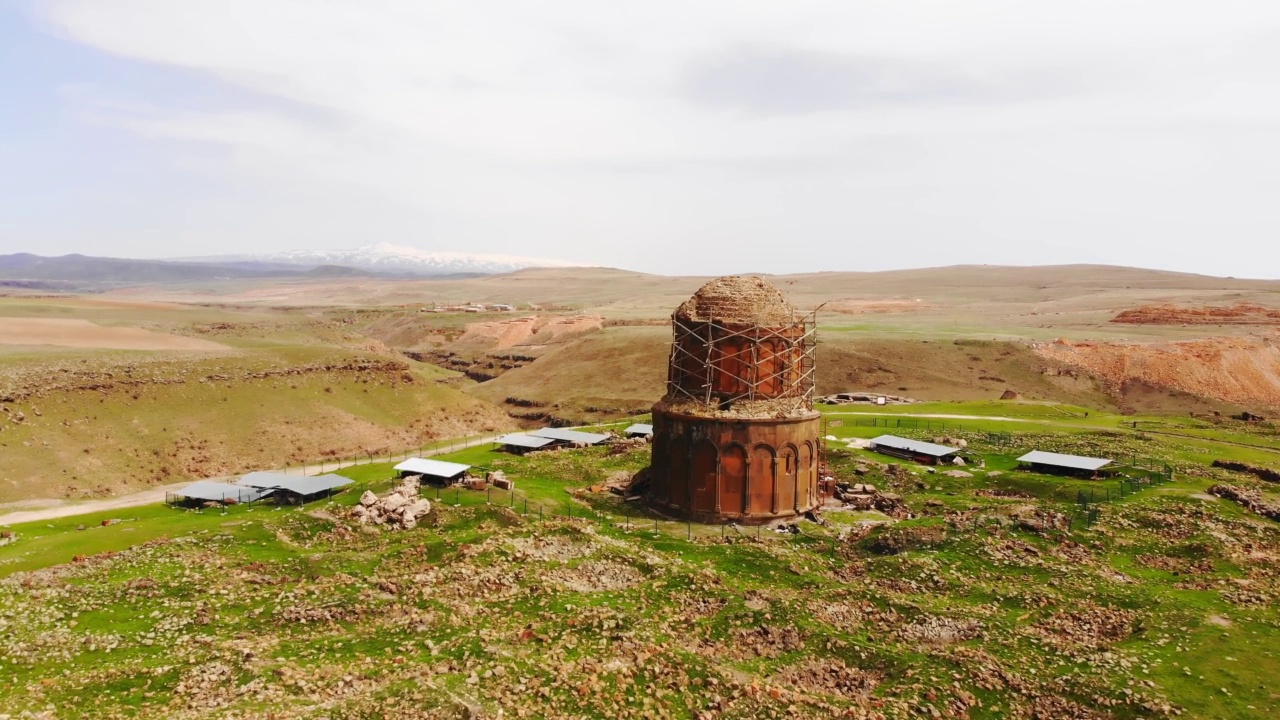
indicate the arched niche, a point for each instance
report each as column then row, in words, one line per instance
column 761, row 480
column 703, row 477
column 678, row 470
column 733, row 479
column 788, row 477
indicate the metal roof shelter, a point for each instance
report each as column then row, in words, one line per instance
column 292, row 483
column 220, row 492
column 523, row 442
column 432, row 468
column 1072, row 463
column 571, row 436
column 638, row 429
column 912, row 449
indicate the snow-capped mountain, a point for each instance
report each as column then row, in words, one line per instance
column 388, row 258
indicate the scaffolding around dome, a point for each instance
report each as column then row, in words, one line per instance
column 728, row 369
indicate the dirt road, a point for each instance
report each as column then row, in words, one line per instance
column 36, row 510
column 944, row 416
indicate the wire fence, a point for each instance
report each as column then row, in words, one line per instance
column 906, row 423
column 1135, row 479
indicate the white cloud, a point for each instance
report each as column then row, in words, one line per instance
column 743, row 135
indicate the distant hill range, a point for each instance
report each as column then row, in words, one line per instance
column 84, row 272
column 78, row 272
column 396, row 260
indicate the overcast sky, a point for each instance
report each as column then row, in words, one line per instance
column 666, row 136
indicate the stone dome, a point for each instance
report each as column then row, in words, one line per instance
column 738, row 300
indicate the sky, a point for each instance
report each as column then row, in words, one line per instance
column 666, row 136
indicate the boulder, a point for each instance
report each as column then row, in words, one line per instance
column 368, row 498
column 399, row 509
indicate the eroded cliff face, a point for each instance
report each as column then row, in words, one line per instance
column 1237, row 314
column 1240, row 370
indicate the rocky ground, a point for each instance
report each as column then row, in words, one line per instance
column 977, row 601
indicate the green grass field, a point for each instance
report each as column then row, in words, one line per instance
column 560, row 602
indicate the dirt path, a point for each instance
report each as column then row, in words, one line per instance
column 1209, row 440
column 54, row 509
column 999, row 418
column 944, row 416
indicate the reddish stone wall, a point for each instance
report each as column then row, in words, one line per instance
column 768, row 358
column 724, row 469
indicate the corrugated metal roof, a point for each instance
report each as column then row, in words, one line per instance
column 434, row 468
column 573, row 436
column 1075, row 462
column 293, row 483
column 218, row 492
column 915, row 446
column 523, row 440
column 639, row 429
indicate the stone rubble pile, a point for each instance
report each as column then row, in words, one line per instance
column 861, row 496
column 1251, row 499
column 400, row 508
column 499, row 479
column 622, row 445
